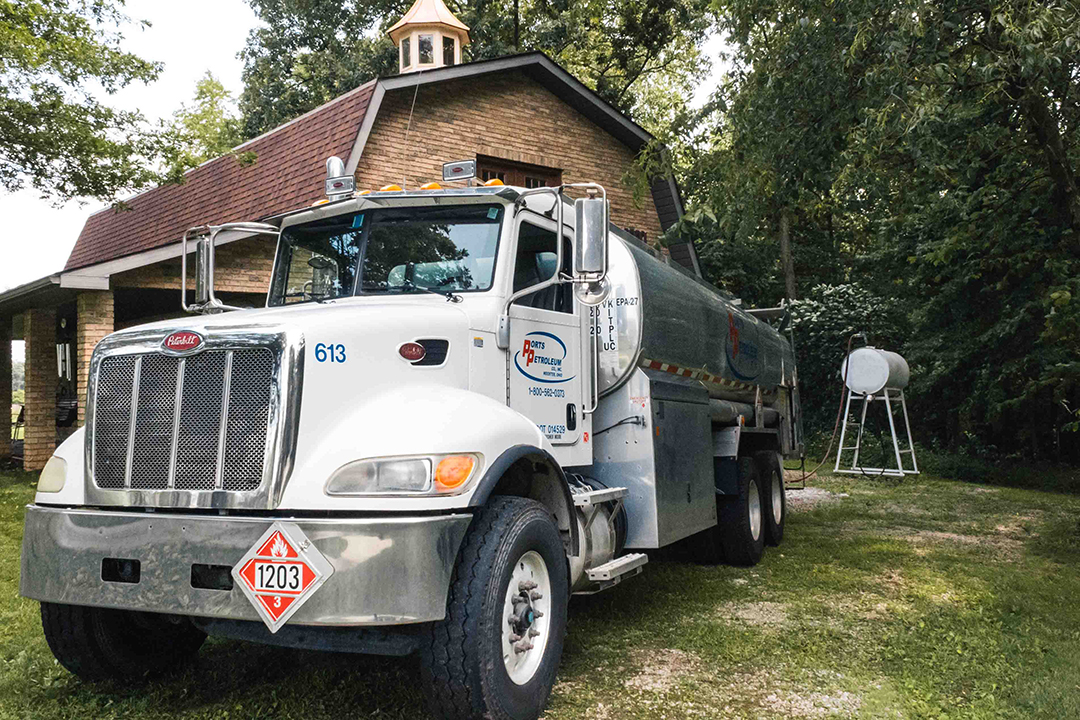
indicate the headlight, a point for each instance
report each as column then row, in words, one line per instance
column 53, row 476
column 428, row 475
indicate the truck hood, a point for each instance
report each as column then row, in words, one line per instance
column 351, row 346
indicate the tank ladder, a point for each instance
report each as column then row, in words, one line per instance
column 892, row 399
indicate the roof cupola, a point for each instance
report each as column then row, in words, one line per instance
column 428, row 36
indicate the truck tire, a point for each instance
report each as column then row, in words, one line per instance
column 105, row 644
column 774, row 505
column 742, row 529
column 469, row 664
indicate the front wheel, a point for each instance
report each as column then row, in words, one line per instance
column 106, row 644
column 495, row 653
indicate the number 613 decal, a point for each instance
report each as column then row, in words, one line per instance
column 325, row 352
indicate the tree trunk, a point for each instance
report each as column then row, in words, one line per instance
column 1045, row 127
column 785, row 254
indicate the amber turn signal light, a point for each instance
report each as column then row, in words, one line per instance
column 453, row 471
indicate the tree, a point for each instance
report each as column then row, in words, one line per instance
column 204, row 130
column 54, row 134
column 929, row 151
column 310, row 51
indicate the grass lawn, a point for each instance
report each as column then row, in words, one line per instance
column 926, row 599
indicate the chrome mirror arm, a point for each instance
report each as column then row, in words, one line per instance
column 209, row 234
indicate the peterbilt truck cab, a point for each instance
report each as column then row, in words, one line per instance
column 443, row 424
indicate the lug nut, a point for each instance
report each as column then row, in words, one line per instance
column 533, row 632
column 534, row 595
column 524, row 647
column 525, row 585
column 514, row 638
column 538, row 614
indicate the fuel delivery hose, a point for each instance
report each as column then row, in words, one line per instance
column 839, row 407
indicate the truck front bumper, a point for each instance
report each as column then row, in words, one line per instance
column 388, row 570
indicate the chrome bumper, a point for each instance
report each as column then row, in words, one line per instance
column 387, row 570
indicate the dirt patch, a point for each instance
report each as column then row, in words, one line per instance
column 810, row 497
column 661, row 670
column 762, row 614
column 813, row 705
column 767, row 690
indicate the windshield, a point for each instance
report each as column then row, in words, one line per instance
column 388, row 251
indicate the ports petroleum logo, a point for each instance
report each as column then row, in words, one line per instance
column 742, row 352
column 542, row 358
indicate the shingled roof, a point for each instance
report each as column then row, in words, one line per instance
column 288, row 172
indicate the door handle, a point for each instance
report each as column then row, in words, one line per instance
column 571, row 416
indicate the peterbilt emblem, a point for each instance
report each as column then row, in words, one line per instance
column 182, row 342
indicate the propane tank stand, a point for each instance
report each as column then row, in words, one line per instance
column 891, row 398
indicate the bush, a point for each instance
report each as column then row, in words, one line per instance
column 823, row 323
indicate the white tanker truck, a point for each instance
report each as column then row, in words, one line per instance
column 443, row 424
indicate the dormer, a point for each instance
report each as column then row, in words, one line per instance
column 429, row 36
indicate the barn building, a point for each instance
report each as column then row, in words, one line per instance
column 524, row 119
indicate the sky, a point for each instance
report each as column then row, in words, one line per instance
column 190, row 38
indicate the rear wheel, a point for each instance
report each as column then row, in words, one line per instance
column 775, row 499
column 103, row 644
column 496, row 652
column 742, row 530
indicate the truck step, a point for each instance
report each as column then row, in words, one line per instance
column 595, row 497
column 618, row 567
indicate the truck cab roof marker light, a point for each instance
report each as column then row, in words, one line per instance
column 431, row 186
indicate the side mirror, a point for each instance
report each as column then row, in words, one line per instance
column 590, row 237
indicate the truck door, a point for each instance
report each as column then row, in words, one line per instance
column 545, row 357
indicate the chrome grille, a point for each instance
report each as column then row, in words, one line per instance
column 113, row 418
column 199, row 422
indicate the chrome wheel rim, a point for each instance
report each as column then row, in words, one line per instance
column 525, row 622
column 754, row 501
column 777, row 498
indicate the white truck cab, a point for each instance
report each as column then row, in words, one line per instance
column 446, row 420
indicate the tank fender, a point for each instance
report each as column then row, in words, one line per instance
column 552, row 490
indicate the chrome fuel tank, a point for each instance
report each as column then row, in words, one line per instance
column 659, row 317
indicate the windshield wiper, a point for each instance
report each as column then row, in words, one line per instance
column 450, row 297
column 410, row 268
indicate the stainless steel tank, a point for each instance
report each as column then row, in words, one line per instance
column 660, row 317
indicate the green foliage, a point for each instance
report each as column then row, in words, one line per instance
column 204, row 130
column 926, row 150
column 307, row 52
column 824, row 323
column 55, row 135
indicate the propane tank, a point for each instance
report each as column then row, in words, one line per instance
column 870, row 370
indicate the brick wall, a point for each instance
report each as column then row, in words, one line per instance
column 5, row 386
column 241, row 266
column 39, row 331
column 509, row 117
column 94, row 321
